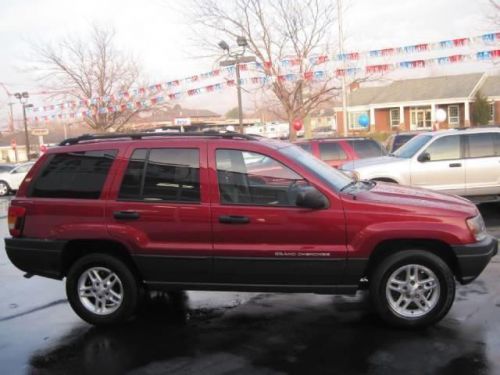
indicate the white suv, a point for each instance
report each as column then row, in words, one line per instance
column 11, row 176
column 460, row 161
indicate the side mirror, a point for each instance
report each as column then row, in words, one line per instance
column 309, row 197
column 423, row 157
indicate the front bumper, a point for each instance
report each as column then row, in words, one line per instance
column 473, row 258
column 38, row 257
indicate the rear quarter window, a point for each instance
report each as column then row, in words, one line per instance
column 78, row 175
column 305, row 146
column 366, row 148
column 331, row 151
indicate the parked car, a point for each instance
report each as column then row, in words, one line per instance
column 337, row 151
column 323, row 132
column 459, row 161
column 11, row 176
column 395, row 141
column 141, row 212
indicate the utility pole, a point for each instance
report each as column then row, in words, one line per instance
column 238, row 89
column 345, row 133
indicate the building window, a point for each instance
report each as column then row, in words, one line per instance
column 395, row 117
column 354, row 120
column 492, row 112
column 420, row 118
column 453, row 115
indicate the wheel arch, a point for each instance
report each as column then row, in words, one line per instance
column 388, row 247
column 76, row 249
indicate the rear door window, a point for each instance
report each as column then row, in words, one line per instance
column 483, row 145
column 331, row 151
column 78, row 175
column 366, row 148
column 166, row 174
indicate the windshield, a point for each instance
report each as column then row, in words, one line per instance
column 6, row 168
column 336, row 179
column 412, row 146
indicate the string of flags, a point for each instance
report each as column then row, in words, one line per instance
column 87, row 108
column 174, row 85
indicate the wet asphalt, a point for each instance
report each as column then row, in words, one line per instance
column 246, row 333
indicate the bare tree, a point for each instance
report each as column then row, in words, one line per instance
column 85, row 69
column 276, row 30
column 494, row 12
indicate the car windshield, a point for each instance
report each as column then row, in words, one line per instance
column 331, row 176
column 412, row 146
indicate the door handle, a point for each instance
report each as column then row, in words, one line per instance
column 455, row 165
column 126, row 215
column 233, row 219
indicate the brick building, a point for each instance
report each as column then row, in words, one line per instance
column 411, row 104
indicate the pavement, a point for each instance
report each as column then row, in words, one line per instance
column 246, row 333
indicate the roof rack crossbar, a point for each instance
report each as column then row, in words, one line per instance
column 136, row 136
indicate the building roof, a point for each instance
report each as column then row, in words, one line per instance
column 443, row 87
column 491, row 86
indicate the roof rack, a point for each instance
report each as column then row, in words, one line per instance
column 135, row 136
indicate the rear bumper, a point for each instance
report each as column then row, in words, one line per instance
column 39, row 257
column 473, row 258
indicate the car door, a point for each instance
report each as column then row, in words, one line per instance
column 260, row 236
column 160, row 209
column 443, row 169
column 17, row 175
column 482, row 163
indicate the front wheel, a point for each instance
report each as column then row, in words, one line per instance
column 102, row 290
column 4, row 189
column 412, row 288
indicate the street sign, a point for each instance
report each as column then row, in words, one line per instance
column 13, row 143
column 39, row 131
column 181, row 121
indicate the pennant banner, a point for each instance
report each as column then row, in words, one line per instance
column 135, row 98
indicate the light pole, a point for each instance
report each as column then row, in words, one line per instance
column 23, row 97
column 237, row 57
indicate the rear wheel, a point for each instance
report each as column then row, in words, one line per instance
column 412, row 288
column 102, row 290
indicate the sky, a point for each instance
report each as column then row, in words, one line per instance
column 158, row 33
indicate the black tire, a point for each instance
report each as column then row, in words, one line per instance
column 129, row 284
column 4, row 189
column 380, row 277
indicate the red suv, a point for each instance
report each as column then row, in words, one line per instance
column 337, row 151
column 122, row 214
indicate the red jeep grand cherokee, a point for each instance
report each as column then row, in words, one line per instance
column 121, row 214
column 337, row 151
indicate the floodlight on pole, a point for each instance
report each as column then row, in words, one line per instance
column 237, row 57
column 224, row 46
column 241, row 41
column 23, row 97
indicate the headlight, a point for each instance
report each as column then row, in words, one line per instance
column 477, row 227
column 352, row 174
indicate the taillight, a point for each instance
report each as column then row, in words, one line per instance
column 16, row 220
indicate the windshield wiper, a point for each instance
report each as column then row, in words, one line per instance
column 352, row 183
